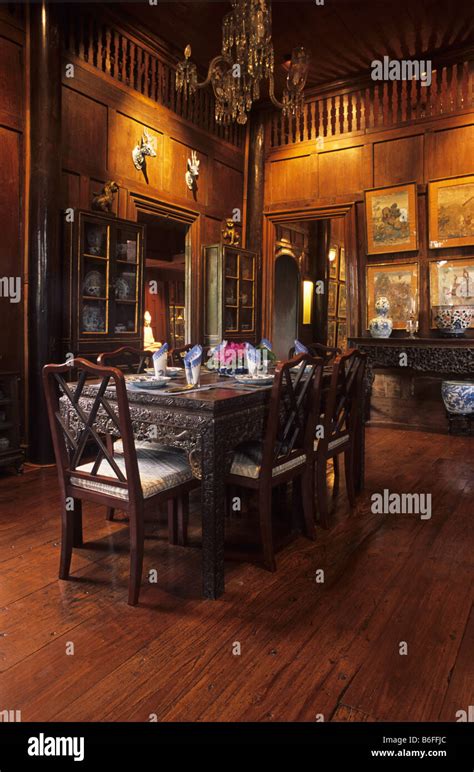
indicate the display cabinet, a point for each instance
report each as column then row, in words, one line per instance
column 231, row 294
column 105, row 267
column 11, row 453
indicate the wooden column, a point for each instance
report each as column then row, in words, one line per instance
column 44, row 215
column 255, row 177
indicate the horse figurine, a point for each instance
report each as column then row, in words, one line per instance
column 193, row 170
column 145, row 146
column 103, row 201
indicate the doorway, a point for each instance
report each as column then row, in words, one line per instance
column 166, row 300
column 286, row 303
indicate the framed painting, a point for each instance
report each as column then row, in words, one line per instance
column 332, row 332
column 341, row 341
column 332, row 298
column 391, row 219
column 342, row 302
column 342, row 264
column 452, row 284
column 399, row 284
column 333, row 257
column 451, row 212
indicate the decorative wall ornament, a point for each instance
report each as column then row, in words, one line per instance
column 146, row 146
column 451, row 212
column 103, row 201
column 230, row 235
column 391, row 219
column 193, row 170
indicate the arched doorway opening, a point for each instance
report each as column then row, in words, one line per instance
column 286, row 302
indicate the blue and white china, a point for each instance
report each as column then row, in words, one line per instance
column 258, row 379
column 93, row 318
column 458, row 396
column 147, row 383
column 381, row 326
column 94, row 284
column 452, row 320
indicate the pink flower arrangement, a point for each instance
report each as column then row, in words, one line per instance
column 231, row 357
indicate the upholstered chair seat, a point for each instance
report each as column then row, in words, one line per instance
column 247, row 461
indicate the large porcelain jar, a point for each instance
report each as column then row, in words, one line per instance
column 381, row 326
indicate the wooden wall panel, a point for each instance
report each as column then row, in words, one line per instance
column 127, row 133
column 211, row 230
column 84, row 132
column 398, row 160
column 11, row 257
column 11, row 81
column 227, row 189
column 451, row 152
column 291, row 179
column 177, row 168
column 71, row 190
column 340, row 172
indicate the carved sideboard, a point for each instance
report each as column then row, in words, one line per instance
column 450, row 357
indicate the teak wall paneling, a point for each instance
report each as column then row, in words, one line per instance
column 12, row 190
column 102, row 123
column 343, row 168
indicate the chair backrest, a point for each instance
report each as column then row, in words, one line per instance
column 176, row 355
column 328, row 353
column 294, row 408
column 87, row 429
column 345, row 397
column 127, row 358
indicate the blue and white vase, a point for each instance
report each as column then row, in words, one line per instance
column 381, row 326
column 458, row 396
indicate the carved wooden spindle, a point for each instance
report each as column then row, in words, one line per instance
column 153, row 63
column 92, row 46
column 453, row 87
column 403, row 101
column 369, row 109
column 444, row 91
column 108, row 42
column 132, row 75
column 116, row 55
column 464, row 103
column 376, row 105
column 81, row 49
column 360, row 111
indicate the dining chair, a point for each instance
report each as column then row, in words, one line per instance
column 343, row 412
column 136, row 481
column 286, row 452
column 127, row 358
column 328, row 353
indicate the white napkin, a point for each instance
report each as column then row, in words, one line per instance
column 160, row 360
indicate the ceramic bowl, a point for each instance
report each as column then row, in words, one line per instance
column 458, row 396
column 452, row 320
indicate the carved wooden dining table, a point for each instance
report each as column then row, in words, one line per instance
column 209, row 424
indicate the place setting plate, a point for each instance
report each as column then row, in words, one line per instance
column 147, row 383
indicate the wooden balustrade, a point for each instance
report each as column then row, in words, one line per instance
column 134, row 64
column 380, row 105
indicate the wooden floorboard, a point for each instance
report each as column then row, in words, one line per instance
column 308, row 649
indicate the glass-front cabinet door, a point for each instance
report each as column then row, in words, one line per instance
column 231, row 294
column 106, row 283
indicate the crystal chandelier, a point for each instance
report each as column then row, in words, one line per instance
column 245, row 60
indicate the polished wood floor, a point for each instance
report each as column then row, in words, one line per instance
column 306, row 648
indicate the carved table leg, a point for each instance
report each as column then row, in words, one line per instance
column 213, row 510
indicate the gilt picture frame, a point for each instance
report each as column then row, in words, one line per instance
column 332, row 298
column 391, row 219
column 451, row 283
column 399, row 284
column 332, row 332
column 451, row 212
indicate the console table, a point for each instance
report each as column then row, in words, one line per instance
column 438, row 356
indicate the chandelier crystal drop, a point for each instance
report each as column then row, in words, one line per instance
column 245, row 60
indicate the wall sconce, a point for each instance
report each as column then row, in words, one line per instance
column 308, row 288
column 332, row 254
